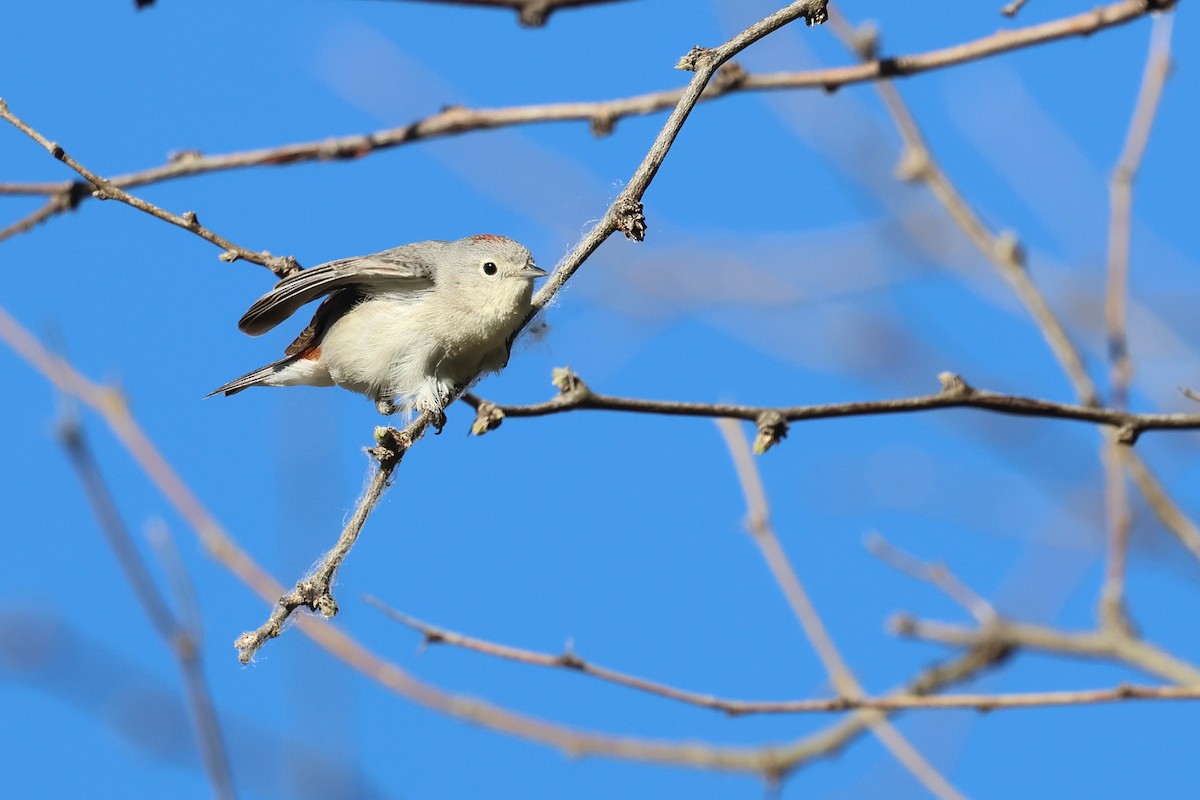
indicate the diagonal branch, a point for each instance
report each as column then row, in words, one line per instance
column 624, row 214
column 603, row 115
column 106, row 190
column 758, row 522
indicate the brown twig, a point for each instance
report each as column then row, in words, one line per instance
column 106, row 190
column 178, row 637
column 315, row 590
column 758, row 523
column 624, row 214
column 532, row 13
column 576, row 396
column 603, row 115
column 1007, row 257
column 903, row 700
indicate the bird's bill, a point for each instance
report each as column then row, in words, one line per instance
column 533, row 272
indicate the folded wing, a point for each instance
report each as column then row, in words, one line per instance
column 401, row 269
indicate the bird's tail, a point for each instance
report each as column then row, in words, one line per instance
column 258, row 376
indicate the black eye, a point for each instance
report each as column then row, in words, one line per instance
column 489, row 268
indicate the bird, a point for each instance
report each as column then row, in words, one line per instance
column 407, row 327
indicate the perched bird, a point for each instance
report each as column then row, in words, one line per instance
column 406, row 327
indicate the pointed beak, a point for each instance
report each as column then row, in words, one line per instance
column 531, row 272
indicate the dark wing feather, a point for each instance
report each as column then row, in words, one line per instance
column 407, row 268
column 330, row 309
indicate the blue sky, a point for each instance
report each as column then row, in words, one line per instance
column 784, row 265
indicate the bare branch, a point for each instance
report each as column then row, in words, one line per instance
column 603, row 115
column 936, row 574
column 178, row 638
column 1109, row 644
column 955, row 394
column 624, row 214
column 106, row 190
column 315, row 590
column 758, row 522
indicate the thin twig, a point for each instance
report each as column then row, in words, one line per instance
column 1154, row 77
column 315, row 590
column 178, row 638
column 624, row 214
column 1007, row 257
column 1105, row 644
column 903, row 700
column 106, row 190
column 955, row 394
column 1012, row 8
column 936, row 574
column 603, row 115
column 758, row 522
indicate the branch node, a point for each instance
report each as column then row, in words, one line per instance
column 1010, row 250
column 914, row 164
column 772, row 429
column 694, row 58
column 230, row 256
column 902, row 624
column 630, row 218
column 570, row 386
column 729, row 76
column 1128, row 434
column 603, row 124
column 488, row 417
column 864, row 40
column 570, row 661
column 953, row 385
column 183, row 156
column 190, row 220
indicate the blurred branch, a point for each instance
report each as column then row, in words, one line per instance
column 602, row 115
column 106, row 190
column 1154, row 76
column 1012, row 8
column 532, row 13
column 1105, row 644
column 183, row 643
column 1007, row 256
column 1116, row 297
column 936, row 574
column 769, row 760
column 575, row 395
column 758, row 523
column 903, row 700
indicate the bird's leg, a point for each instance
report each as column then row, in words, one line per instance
column 386, row 406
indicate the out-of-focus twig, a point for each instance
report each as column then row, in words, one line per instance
column 603, row 115
column 758, row 522
column 938, row 575
column 1116, row 295
column 181, row 640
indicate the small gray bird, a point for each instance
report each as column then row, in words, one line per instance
column 406, row 327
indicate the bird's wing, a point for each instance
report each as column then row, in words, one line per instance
column 401, row 269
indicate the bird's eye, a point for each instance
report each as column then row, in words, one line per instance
column 489, row 268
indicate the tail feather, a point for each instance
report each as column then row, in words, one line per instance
column 252, row 378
